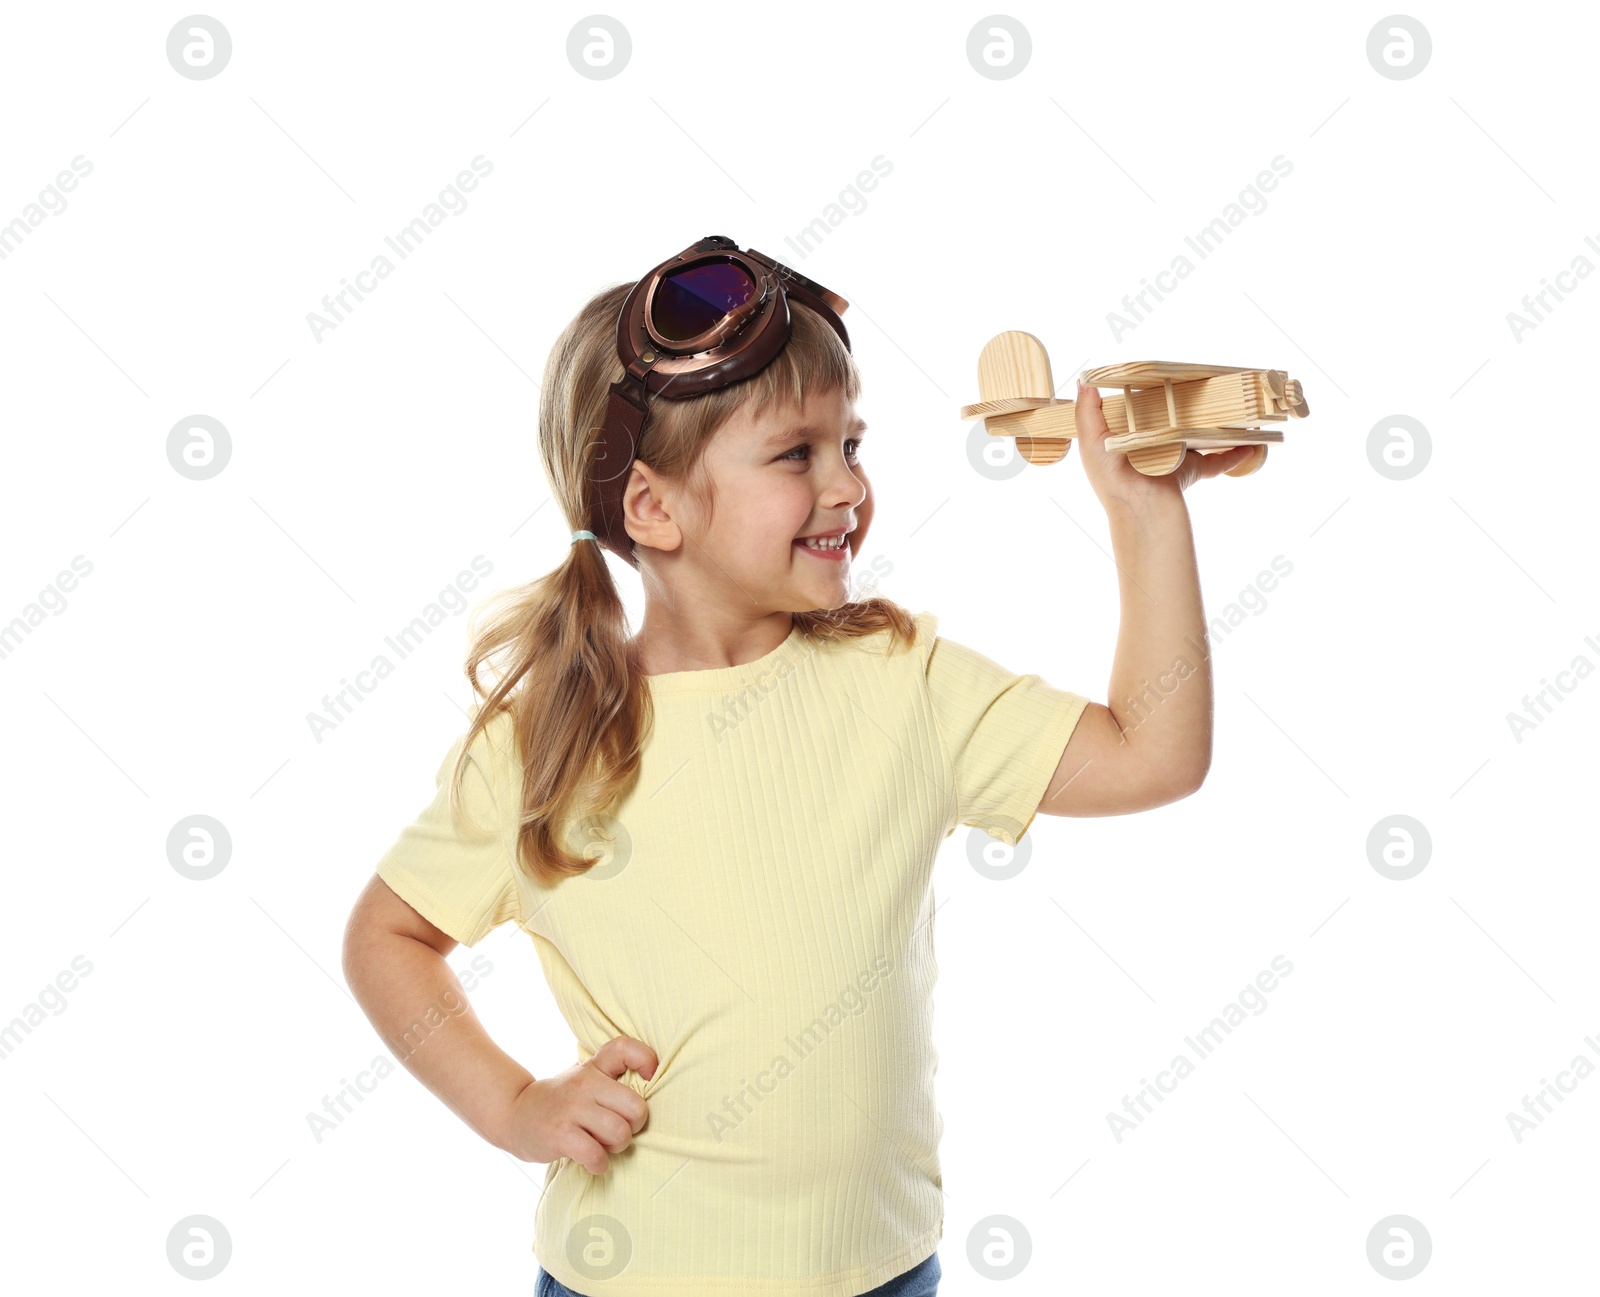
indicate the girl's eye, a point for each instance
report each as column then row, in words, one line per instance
column 806, row 446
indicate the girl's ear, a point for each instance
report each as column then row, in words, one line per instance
column 645, row 515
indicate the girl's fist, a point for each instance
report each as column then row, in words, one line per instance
column 584, row 1113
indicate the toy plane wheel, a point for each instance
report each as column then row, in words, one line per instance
column 1043, row 450
column 1157, row 460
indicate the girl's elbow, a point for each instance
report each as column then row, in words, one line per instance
column 1192, row 773
column 1179, row 784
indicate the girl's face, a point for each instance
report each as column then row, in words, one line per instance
column 784, row 476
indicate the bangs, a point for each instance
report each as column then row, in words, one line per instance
column 813, row 361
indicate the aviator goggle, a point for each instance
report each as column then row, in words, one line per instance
column 706, row 318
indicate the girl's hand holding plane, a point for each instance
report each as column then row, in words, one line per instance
column 1118, row 482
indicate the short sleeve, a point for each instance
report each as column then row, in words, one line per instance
column 462, row 876
column 1003, row 734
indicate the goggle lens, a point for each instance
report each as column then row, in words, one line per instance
column 690, row 301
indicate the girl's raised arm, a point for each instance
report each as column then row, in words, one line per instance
column 1152, row 744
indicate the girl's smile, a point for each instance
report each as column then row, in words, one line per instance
column 832, row 546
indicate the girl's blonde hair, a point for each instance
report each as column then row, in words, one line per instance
column 580, row 705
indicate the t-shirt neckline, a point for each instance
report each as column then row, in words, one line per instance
column 731, row 679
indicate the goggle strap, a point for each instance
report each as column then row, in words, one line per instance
column 807, row 298
column 616, row 448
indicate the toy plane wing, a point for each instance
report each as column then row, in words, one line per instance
column 1140, row 373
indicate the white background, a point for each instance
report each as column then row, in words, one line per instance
column 369, row 467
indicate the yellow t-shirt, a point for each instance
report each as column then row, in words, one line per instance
column 763, row 919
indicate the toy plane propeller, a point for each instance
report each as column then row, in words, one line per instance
column 1165, row 408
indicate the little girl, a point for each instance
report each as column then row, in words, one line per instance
column 720, row 833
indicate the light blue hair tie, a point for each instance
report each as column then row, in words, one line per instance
column 583, row 535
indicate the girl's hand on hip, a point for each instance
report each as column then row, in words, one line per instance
column 584, row 1113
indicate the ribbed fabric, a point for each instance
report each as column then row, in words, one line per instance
column 763, row 919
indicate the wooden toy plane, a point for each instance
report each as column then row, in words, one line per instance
column 1165, row 408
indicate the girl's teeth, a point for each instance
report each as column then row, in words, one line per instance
column 832, row 543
